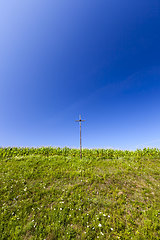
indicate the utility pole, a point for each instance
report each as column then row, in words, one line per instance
column 80, row 120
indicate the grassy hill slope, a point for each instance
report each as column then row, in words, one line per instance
column 53, row 194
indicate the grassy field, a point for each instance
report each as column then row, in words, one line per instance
column 50, row 193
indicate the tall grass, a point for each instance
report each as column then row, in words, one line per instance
column 50, row 193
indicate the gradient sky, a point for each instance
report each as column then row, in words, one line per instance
column 100, row 59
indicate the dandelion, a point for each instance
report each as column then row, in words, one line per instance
column 99, row 225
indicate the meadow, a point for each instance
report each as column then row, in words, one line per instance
column 50, row 193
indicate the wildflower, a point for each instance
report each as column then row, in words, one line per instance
column 25, row 189
column 99, row 225
column 109, row 216
column 104, row 215
column 111, row 229
column 60, row 208
column 102, row 233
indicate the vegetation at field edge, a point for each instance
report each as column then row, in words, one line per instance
column 50, row 193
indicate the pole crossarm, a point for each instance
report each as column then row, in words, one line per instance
column 80, row 120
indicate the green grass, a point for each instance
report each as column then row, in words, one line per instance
column 49, row 193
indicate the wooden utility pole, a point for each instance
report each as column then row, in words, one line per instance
column 80, row 120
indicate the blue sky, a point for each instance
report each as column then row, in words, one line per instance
column 100, row 59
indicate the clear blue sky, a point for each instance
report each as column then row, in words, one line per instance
column 100, row 59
